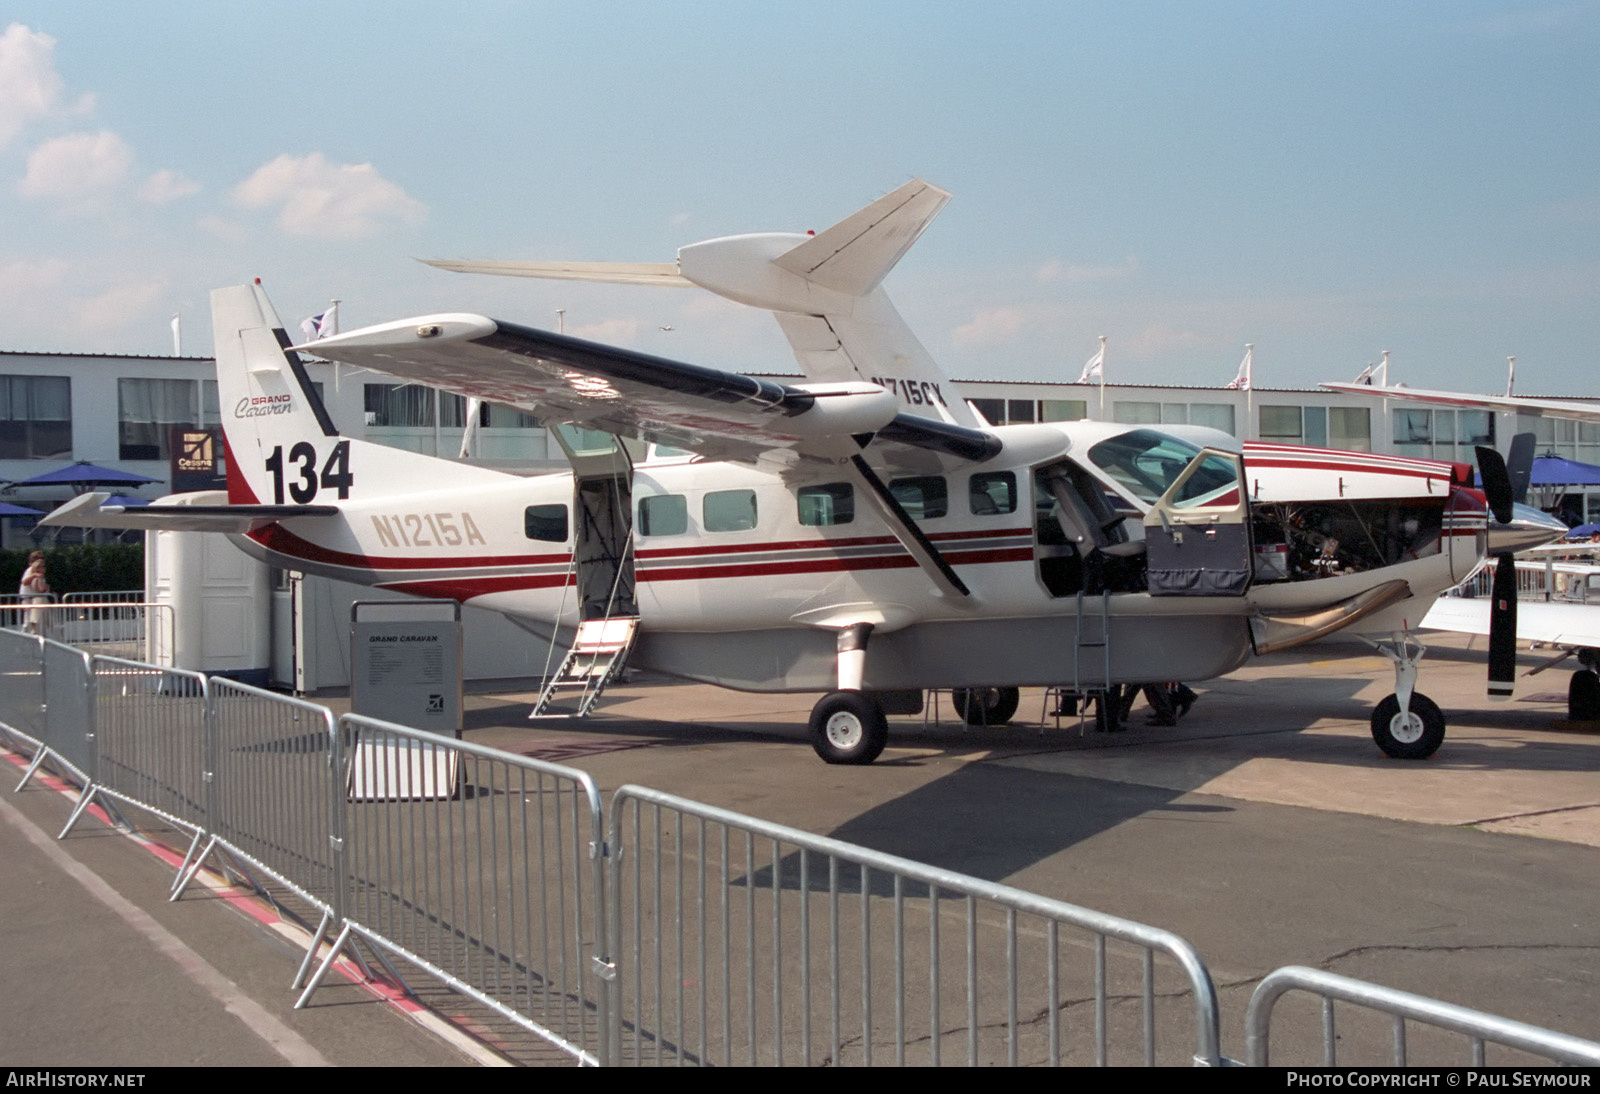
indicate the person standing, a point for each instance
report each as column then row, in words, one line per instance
column 34, row 590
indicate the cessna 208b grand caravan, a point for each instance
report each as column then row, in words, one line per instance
column 863, row 534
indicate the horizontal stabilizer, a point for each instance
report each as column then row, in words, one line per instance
column 89, row 511
column 615, row 273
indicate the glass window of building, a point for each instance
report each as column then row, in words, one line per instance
column 408, row 405
column 1314, row 420
column 993, row 411
column 1134, row 412
column 1020, row 410
column 35, row 418
column 1063, row 410
column 1212, row 415
column 1282, row 425
column 148, row 411
column 1350, row 428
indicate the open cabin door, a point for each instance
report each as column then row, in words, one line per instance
column 1197, row 535
column 602, row 511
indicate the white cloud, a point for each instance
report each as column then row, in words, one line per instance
column 317, row 198
column 118, row 306
column 1161, row 338
column 990, row 326
column 30, row 87
column 78, row 170
column 1072, row 273
column 225, row 230
column 167, row 186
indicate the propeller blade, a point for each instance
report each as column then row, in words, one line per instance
column 1519, row 465
column 1496, row 483
column 1503, row 628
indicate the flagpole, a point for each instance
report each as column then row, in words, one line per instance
column 1249, row 387
column 1102, row 377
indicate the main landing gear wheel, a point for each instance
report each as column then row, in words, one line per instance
column 1415, row 735
column 986, row 706
column 1583, row 697
column 848, row 728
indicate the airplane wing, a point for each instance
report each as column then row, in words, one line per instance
column 1559, row 408
column 90, row 511
column 722, row 415
column 1537, row 621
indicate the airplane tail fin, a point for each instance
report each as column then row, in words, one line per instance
column 825, row 291
column 282, row 445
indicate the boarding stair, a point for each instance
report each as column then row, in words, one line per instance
column 598, row 655
column 1093, row 636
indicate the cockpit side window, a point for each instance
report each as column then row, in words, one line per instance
column 1143, row 462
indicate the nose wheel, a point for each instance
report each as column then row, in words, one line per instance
column 1413, row 734
column 1407, row 725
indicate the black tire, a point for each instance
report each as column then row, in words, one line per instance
column 986, row 706
column 1414, row 738
column 848, row 728
column 1583, row 697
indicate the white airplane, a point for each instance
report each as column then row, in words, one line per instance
column 862, row 534
column 1554, row 622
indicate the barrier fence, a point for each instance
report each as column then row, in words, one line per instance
column 753, row 943
column 664, row 931
column 134, row 630
column 1476, row 1029
column 481, row 868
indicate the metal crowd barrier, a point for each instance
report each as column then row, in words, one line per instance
column 739, row 941
column 481, row 868
column 149, row 742
column 117, row 596
column 1402, row 1007
column 132, row 630
column 671, row 932
column 272, row 792
column 22, row 692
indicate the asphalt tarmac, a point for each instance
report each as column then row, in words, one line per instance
column 1267, row 829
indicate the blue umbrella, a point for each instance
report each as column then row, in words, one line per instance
column 1583, row 530
column 1555, row 471
column 83, row 475
column 9, row 510
column 124, row 501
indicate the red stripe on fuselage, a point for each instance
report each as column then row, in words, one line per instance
column 275, row 537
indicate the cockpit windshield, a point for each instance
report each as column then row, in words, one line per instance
column 1145, row 463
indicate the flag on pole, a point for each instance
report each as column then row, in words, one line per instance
column 321, row 326
column 1366, row 375
column 1095, row 370
column 1241, row 382
column 177, row 337
column 1511, row 373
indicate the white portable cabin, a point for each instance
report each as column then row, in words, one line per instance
column 219, row 600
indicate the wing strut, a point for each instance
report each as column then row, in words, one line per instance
column 906, row 531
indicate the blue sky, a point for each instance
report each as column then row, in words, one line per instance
column 1324, row 180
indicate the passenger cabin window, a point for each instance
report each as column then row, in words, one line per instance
column 665, row 515
column 923, row 498
column 729, row 510
column 546, row 522
column 830, row 503
column 992, row 493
